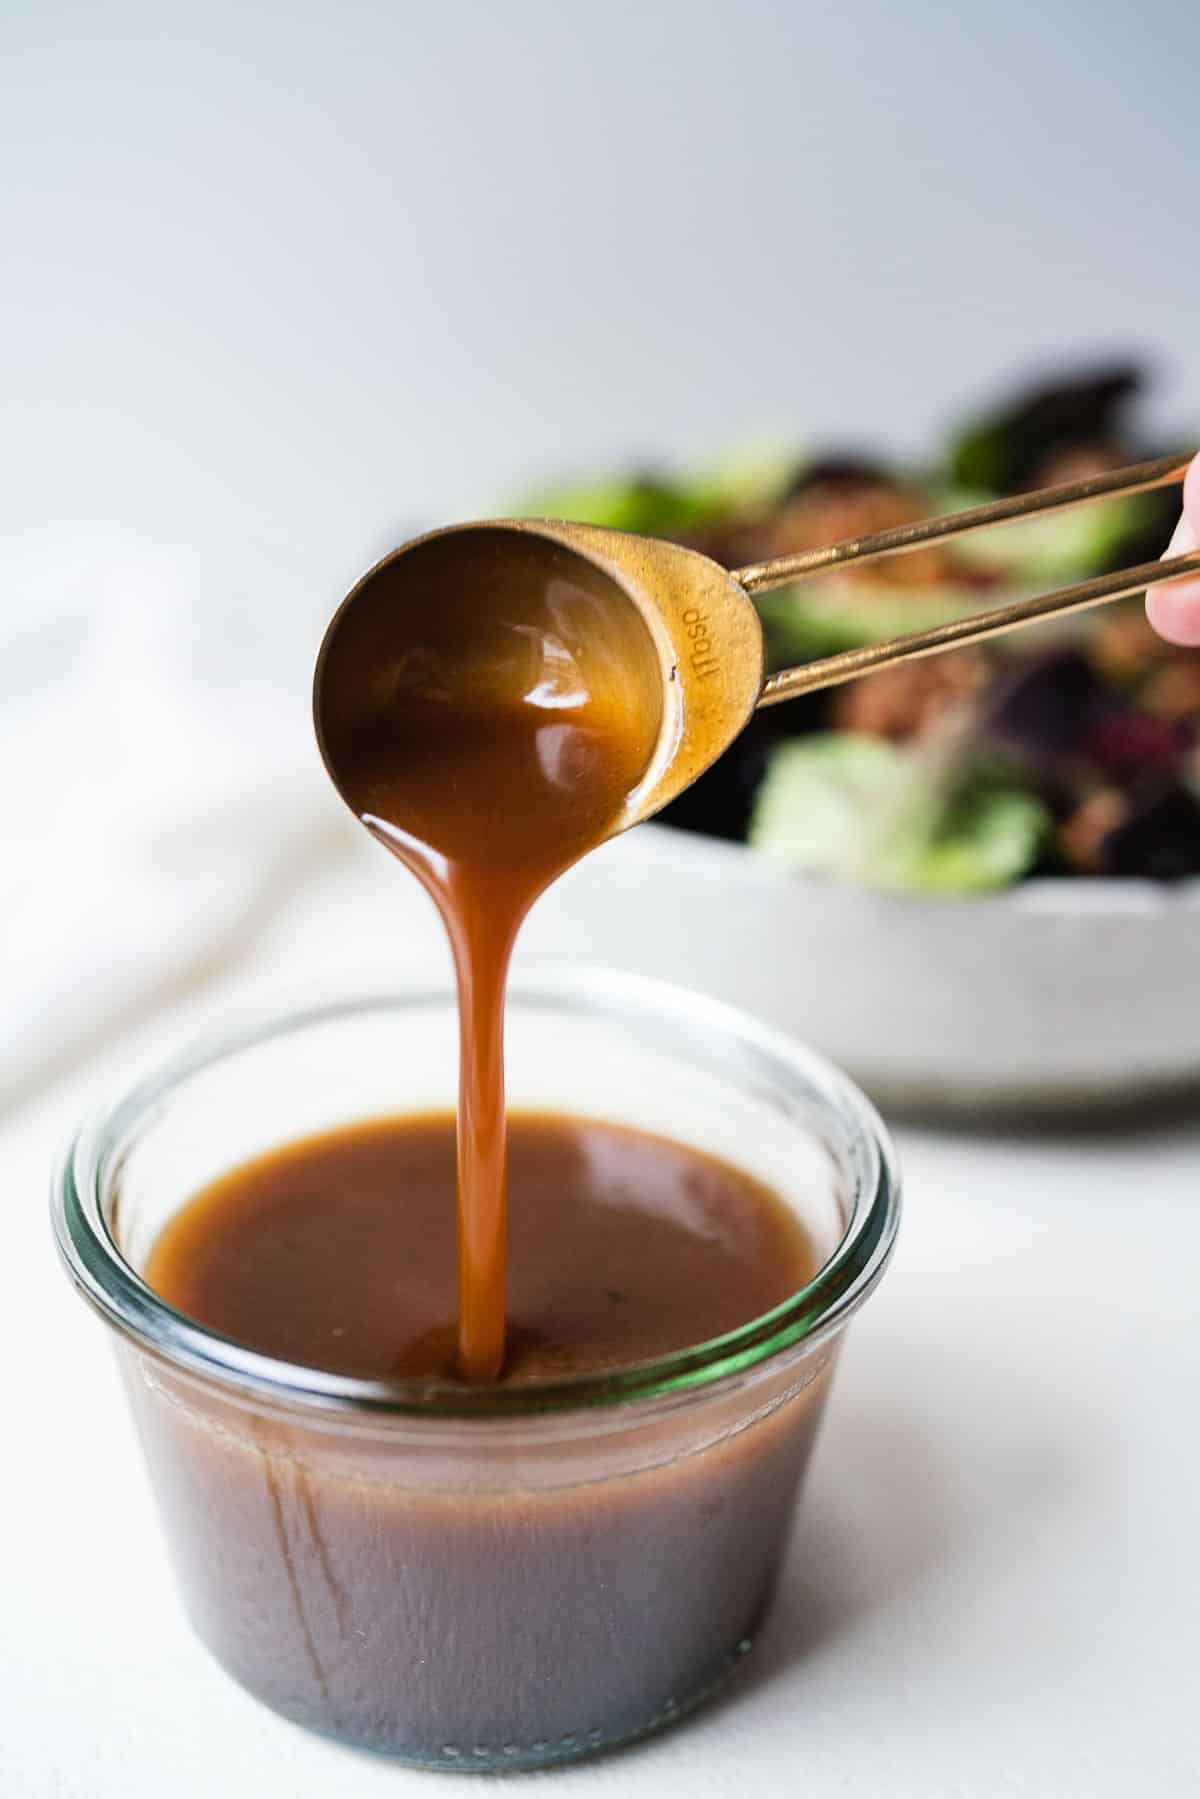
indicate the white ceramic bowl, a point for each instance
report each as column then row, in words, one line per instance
column 1054, row 996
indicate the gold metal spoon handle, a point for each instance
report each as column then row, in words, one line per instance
column 831, row 671
column 1140, row 477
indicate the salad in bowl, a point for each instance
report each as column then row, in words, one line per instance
column 975, row 878
column 1069, row 750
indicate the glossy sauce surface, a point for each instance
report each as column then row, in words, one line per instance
column 338, row 1250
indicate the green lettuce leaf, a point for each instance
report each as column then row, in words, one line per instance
column 861, row 810
column 1059, row 546
column 819, row 618
column 650, row 504
column 666, row 505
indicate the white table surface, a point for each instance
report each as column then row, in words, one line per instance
column 994, row 1587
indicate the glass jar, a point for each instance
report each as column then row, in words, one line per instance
column 469, row 1577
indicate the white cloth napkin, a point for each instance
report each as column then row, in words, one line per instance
column 159, row 785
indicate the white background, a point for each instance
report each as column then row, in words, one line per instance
column 282, row 282
column 307, row 273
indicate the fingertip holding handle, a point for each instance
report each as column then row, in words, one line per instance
column 1174, row 608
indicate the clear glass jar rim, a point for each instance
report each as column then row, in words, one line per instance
column 123, row 1299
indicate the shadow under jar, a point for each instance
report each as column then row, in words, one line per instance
column 492, row 1577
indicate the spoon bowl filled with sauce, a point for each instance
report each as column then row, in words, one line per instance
column 487, row 704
